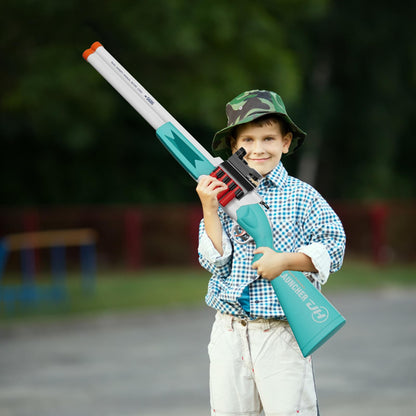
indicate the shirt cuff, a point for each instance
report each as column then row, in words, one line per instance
column 320, row 259
column 209, row 252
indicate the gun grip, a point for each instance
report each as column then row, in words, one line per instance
column 254, row 221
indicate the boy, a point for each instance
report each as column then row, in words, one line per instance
column 255, row 362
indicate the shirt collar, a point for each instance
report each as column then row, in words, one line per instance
column 276, row 178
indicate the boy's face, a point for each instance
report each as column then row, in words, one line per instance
column 264, row 145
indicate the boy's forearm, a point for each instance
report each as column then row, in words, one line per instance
column 272, row 264
column 213, row 229
column 299, row 262
column 208, row 190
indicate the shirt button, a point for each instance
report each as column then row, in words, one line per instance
column 244, row 323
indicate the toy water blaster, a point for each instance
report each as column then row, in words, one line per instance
column 312, row 317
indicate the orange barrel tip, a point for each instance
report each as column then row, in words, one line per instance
column 87, row 53
column 95, row 45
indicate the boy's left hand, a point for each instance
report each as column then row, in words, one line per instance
column 271, row 264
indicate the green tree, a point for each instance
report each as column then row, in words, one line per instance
column 360, row 97
column 68, row 137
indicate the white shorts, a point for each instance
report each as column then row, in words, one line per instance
column 257, row 366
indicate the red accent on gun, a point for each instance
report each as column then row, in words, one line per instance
column 233, row 191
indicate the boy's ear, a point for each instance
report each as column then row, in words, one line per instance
column 287, row 140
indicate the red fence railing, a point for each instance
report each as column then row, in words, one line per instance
column 136, row 236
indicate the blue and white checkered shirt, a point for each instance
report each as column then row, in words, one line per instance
column 302, row 222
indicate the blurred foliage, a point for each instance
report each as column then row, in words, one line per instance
column 346, row 71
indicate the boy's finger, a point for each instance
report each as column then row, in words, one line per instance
column 202, row 178
column 218, row 185
column 259, row 250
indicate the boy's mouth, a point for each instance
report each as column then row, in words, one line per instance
column 259, row 159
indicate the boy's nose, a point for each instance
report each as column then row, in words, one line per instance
column 258, row 147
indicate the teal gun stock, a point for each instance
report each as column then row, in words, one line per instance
column 312, row 317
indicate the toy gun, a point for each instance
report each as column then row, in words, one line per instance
column 312, row 317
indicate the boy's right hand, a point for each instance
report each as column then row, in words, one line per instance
column 208, row 189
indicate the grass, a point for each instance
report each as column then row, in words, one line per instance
column 116, row 291
column 126, row 291
column 361, row 275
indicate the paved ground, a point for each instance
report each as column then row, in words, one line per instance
column 156, row 364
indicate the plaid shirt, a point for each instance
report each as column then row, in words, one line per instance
column 302, row 221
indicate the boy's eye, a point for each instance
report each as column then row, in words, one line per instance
column 268, row 139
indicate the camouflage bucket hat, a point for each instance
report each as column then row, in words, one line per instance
column 247, row 107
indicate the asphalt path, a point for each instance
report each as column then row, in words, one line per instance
column 156, row 364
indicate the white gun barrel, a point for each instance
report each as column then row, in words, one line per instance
column 123, row 89
column 97, row 55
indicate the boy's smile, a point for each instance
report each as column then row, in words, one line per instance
column 264, row 145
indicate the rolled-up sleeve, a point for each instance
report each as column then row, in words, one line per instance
column 207, row 250
column 325, row 239
column 320, row 259
column 209, row 258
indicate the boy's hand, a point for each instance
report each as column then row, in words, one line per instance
column 208, row 189
column 272, row 264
